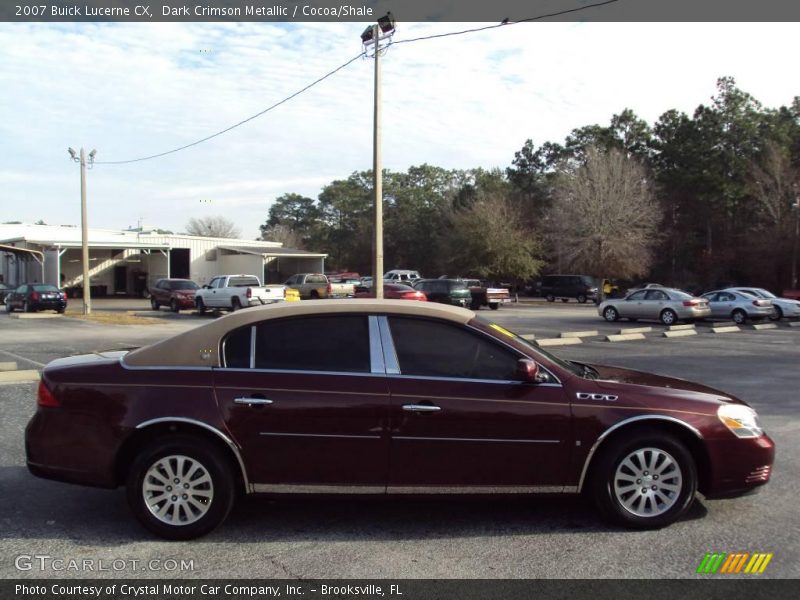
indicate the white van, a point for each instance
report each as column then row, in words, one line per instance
column 401, row 276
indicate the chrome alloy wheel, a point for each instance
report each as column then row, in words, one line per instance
column 647, row 482
column 178, row 490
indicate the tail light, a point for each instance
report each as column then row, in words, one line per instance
column 44, row 397
column 692, row 302
column 284, row 293
column 330, row 289
column 760, row 303
column 249, row 293
column 34, row 296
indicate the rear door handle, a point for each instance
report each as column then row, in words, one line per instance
column 421, row 408
column 253, row 401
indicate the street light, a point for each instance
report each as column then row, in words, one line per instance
column 87, row 300
column 377, row 36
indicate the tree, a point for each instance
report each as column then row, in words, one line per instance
column 218, row 226
column 488, row 240
column 293, row 220
column 605, row 216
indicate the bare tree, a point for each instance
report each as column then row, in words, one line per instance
column 219, row 226
column 605, row 217
column 283, row 234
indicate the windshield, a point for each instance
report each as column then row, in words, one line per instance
column 45, row 288
column 764, row 293
column 681, row 295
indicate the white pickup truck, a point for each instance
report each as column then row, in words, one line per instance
column 232, row 292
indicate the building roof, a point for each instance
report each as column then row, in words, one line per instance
column 279, row 252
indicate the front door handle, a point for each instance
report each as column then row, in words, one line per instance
column 421, row 408
column 253, row 401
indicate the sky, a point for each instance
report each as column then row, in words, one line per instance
column 133, row 90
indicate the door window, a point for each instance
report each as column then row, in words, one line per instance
column 637, row 295
column 656, row 295
column 436, row 349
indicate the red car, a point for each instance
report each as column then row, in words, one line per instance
column 178, row 294
column 384, row 397
column 392, row 291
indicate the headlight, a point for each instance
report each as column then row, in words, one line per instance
column 741, row 420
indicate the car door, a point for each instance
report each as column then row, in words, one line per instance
column 654, row 302
column 461, row 419
column 212, row 296
column 307, row 400
column 714, row 304
column 726, row 304
column 633, row 306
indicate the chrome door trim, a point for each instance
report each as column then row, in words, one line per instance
column 253, row 347
column 421, row 408
column 290, row 488
column 454, row 439
column 321, row 435
column 389, row 352
column 616, row 426
column 482, row 489
column 225, row 438
column 253, row 401
column 376, row 358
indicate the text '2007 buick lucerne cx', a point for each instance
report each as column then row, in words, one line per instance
column 384, row 397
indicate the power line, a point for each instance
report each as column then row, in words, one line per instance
column 504, row 23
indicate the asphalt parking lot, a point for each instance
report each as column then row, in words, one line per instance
column 430, row 537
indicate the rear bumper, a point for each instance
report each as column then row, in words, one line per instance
column 738, row 466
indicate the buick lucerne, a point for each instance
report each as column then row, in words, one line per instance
column 383, row 397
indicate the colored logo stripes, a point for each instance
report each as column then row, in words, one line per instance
column 735, row 562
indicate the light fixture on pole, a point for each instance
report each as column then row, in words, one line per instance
column 378, row 37
column 87, row 300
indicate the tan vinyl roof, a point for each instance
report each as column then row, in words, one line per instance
column 199, row 347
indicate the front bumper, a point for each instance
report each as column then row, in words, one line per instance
column 738, row 466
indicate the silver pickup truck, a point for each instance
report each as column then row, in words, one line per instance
column 232, row 292
column 316, row 285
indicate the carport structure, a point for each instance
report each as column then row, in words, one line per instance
column 277, row 264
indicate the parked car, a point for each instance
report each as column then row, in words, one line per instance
column 564, row 287
column 781, row 307
column 445, row 291
column 4, row 291
column 314, row 286
column 402, row 276
column 666, row 305
column 737, row 306
column 32, row 297
column 178, row 294
column 232, row 292
column 483, row 295
column 391, row 397
column 392, row 291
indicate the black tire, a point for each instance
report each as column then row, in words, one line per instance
column 565, row 300
column 777, row 313
column 9, row 309
column 314, row 295
column 739, row 316
column 201, row 306
column 173, row 305
column 654, row 445
column 26, row 307
column 581, row 298
column 209, row 513
column 550, row 298
column 235, row 304
column 474, row 305
column 61, row 310
column 154, row 303
column 668, row 317
column 494, row 305
column 610, row 314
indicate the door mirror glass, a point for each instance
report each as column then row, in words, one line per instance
column 528, row 371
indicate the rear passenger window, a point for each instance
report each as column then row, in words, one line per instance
column 336, row 343
column 236, row 348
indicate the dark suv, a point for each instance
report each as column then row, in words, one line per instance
column 580, row 287
column 446, row 291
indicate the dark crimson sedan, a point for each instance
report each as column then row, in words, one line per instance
column 384, row 397
column 392, row 291
column 32, row 297
column 176, row 293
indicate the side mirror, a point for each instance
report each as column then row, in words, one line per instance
column 528, row 371
column 206, row 287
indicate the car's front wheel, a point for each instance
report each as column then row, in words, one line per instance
column 646, row 480
column 610, row 314
column 668, row 317
column 581, row 298
column 153, row 303
column 777, row 313
column 739, row 316
column 180, row 487
column 201, row 306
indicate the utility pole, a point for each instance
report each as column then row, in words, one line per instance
column 796, row 207
column 87, row 297
column 374, row 35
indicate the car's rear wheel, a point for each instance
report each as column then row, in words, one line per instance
column 739, row 316
column 314, row 295
column 565, row 299
column 235, row 304
column 26, row 307
column 550, row 298
column 668, row 317
column 173, row 305
column 494, row 305
column 154, row 303
column 180, row 487
column 8, row 306
column 610, row 314
column 777, row 313
column 646, row 480
column 581, row 298
column 201, row 306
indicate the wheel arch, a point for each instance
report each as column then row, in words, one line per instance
column 685, row 432
column 150, row 430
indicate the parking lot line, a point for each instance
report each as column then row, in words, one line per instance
column 18, row 357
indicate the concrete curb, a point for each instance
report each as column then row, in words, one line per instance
column 559, row 341
column 679, row 333
column 16, row 315
column 8, row 366
column 760, row 326
column 635, row 330
column 528, row 336
column 722, row 324
column 25, row 376
column 725, row 329
column 794, row 324
column 625, row 337
column 680, row 327
column 578, row 334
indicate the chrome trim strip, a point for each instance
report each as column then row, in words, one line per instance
column 322, row 435
column 616, row 426
column 289, row 488
column 253, row 347
column 301, row 372
column 482, row 489
column 592, row 396
column 231, row 444
column 124, row 365
column 252, row 401
column 421, row 408
column 454, row 439
column 467, row 380
column 389, row 352
column 376, row 360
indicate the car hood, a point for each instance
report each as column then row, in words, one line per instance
column 613, row 378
